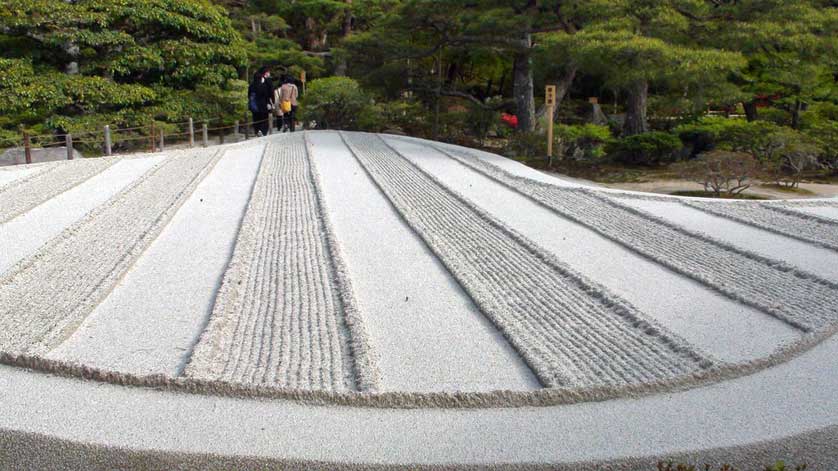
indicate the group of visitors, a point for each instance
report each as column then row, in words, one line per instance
column 265, row 99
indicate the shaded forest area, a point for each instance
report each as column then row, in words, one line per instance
column 727, row 87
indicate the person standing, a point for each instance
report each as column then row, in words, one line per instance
column 260, row 99
column 285, row 98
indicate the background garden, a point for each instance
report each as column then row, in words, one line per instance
column 716, row 91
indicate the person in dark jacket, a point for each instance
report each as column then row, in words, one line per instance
column 260, row 95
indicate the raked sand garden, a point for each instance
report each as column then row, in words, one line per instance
column 346, row 300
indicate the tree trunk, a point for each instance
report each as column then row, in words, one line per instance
column 795, row 114
column 636, row 121
column 522, row 88
column 340, row 68
column 563, row 88
column 751, row 111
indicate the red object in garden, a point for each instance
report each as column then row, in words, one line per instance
column 510, row 119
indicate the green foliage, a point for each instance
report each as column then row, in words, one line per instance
column 584, row 142
column 73, row 66
column 652, row 148
column 527, row 146
column 334, row 103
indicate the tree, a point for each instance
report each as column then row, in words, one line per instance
column 66, row 65
column 645, row 43
column 438, row 29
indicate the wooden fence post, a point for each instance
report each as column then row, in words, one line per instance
column 237, row 130
column 68, row 141
column 27, row 147
column 205, row 134
column 108, row 149
column 162, row 140
column 246, row 129
column 191, row 133
column 270, row 123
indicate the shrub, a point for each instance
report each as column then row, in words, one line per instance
column 584, row 142
column 789, row 153
column 480, row 120
column 651, row 148
column 334, row 103
column 721, row 171
column 526, row 145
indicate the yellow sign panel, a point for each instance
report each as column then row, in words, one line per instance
column 303, row 76
column 550, row 95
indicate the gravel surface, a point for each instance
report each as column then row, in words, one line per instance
column 46, row 296
column 18, row 197
column 817, row 260
column 726, row 329
column 26, row 233
column 805, row 301
column 8, row 176
column 570, row 331
column 806, row 227
column 827, row 212
column 428, row 333
column 279, row 317
column 133, row 332
column 794, row 398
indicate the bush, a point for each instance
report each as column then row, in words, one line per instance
column 334, row 103
column 584, row 142
column 480, row 120
column 721, row 171
column 651, row 148
column 526, row 145
column 400, row 116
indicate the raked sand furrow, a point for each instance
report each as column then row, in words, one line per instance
column 569, row 331
column 46, row 296
column 280, row 315
column 132, row 332
column 805, row 301
column 27, row 193
column 25, row 234
column 826, row 212
column 775, row 218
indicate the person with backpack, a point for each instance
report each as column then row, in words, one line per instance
column 285, row 98
column 260, row 100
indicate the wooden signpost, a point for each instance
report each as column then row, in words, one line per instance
column 303, row 80
column 550, row 101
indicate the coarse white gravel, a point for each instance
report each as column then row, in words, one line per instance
column 279, row 317
column 795, row 296
column 828, row 212
column 820, row 261
column 570, row 331
column 27, row 193
column 7, row 176
column 23, row 235
column 728, row 330
column 45, row 297
column 428, row 334
column 806, row 227
column 790, row 399
column 133, row 332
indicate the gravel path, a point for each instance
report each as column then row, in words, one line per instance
column 805, row 301
column 22, row 195
column 570, row 332
column 280, row 317
column 45, row 297
column 726, row 329
column 133, row 332
column 427, row 332
column 25, row 234
column 775, row 218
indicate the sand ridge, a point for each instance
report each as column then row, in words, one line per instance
column 793, row 295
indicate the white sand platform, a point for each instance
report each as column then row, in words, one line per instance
column 328, row 300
